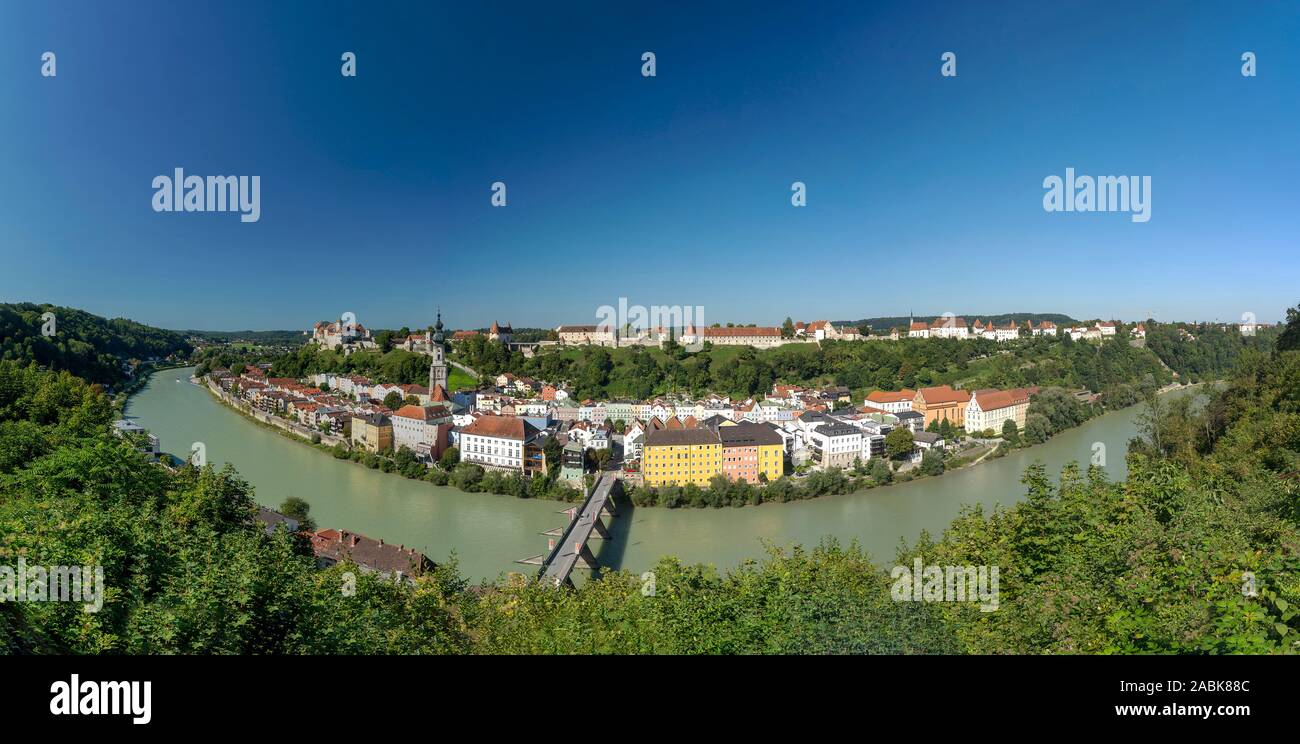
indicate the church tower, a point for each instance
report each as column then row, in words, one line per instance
column 438, row 367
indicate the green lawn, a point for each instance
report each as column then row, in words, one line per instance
column 459, row 380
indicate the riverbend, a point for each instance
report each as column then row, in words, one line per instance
column 487, row 532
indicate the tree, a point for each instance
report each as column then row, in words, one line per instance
column 393, row 401
column 450, row 457
column 599, row 458
column 467, row 476
column 1037, row 429
column 296, row 508
column 553, row 452
column 899, row 443
column 1289, row 340
column 932, row 462
column 787, row 328
column 880, row 471
column 1010, row 431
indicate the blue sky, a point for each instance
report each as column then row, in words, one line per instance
column 924, row 193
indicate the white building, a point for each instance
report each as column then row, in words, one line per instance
column 990, row 409
column 757, row 337
column 1009, row 332
column 586, row 334
column 835, row 443
column 340, row 335
column 418, row 425
column 633, row 441
column 949, row 327
column 893, row 402
column 498, row 442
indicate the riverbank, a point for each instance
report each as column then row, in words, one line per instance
column 470, row 478
column 467, row 479
column 122, row 397
column 486, row 533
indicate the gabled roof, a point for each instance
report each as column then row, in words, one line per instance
column 885, row 396
column 748, row 435
column 376, row 555
column 943, row 394
column 421, row 413
column 680, row 437
column 500, row 427
column 741, row 332
column 990, row 400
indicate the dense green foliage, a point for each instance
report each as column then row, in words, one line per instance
column 1203, row 351
column 255, row 338
column 392, row 367
column 1154, row 564
column 88, row 346
column 1115, row 368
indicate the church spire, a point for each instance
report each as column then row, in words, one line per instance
column 438, row 363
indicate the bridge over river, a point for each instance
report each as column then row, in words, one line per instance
column 585, row 524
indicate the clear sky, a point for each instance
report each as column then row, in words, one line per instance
column 924, row 193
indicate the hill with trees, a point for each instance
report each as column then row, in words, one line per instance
column 1114, row 368
column 93, row 348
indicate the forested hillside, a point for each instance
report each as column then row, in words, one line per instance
column 1197, row 551
column 1112, row 367
column 86, row 345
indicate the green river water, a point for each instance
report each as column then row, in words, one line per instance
column 488, row 532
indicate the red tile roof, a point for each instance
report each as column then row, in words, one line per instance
column 500, row 427
column 885, row 396
column 768, row 332
column 943, row 394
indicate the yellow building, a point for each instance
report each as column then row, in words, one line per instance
column 942, row 403
column 681, row 456
column 372, row 432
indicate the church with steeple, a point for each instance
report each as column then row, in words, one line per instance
column 438, row 367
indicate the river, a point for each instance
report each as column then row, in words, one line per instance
column 488, row 533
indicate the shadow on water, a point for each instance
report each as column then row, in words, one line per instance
column 612, row 551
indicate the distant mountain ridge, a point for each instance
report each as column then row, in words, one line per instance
column 270, row 338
